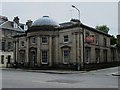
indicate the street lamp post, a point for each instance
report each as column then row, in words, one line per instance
column 82, row 41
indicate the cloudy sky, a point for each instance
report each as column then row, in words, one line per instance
column 91, row 13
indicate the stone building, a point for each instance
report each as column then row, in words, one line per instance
column 118, row 47
column 70, row 45
column 7, row 30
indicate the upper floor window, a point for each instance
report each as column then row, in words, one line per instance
column 9, row 45
column 87, row 34
column 97, row 39
column 104, row 42
column 66, row 38
column 33, row 40
column 22, row 43
column 44, row 39
column 3, row 45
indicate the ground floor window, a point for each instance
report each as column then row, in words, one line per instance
column 9, row 59
column 2, row 59
column 112, row 55
column 66, row 56
column 87, row 54
column 22, row 56
column 97, row 54
column 44, row 57
column 33, row 59
column 105, row 55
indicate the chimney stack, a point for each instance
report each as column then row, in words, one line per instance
column 3, row 18
column 16, row 19
column 29, row 23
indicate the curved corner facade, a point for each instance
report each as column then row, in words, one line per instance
column 70, row 45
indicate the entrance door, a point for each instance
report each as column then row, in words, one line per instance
column 33, row 59
column 66, row 56
column 22, row 56
column 87, row 55
column 9, row 59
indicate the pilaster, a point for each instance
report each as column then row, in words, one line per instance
column 38, row 51
column 50, row 51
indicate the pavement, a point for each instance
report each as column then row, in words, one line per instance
column 55, row 71
column 116, row 73
column 46, row 71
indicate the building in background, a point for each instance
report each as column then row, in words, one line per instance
column 49, row 45
column 118, row 47
column 7, row 30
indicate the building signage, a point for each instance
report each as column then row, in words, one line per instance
column 89, row 39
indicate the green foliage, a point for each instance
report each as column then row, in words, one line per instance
column 103, row 28
column 113, row 40
column 118, row 44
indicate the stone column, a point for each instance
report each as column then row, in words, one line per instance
column 74, row 49
column 56, row 50
column 81, row 45
column 38, row 51
column 50, row 51
column 17, row 50
column 78, row 48
column 14, row 51
column 27, row 51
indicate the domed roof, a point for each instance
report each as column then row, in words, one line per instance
column 45, row 20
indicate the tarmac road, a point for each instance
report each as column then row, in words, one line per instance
column 94, row 79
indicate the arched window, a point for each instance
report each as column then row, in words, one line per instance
column 104, row 42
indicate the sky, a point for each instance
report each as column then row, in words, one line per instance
column 91, row 13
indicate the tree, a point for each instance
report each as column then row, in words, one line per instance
column 103, row 28
column 113, row 40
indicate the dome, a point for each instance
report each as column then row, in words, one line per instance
column 45, row 20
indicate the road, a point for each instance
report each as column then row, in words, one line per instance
column 94, row 79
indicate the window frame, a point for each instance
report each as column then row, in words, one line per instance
column 87, row 55
column 68, row 55
column 104, row 42
column 2, row 59
column 66, row 39
column 97, row 39
column 9, row 59
column 45, row 56
column 3, row 46
column 9, row 45
column 33, row 40
column 44, row 39
column 97, row 55
column 22, row 43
